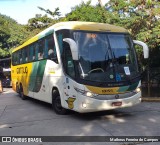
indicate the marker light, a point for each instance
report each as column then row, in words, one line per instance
column 138, row 90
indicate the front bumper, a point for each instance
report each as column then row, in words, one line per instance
column 87, row 104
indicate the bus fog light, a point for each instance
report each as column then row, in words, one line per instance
column 84, row 105
column 138, row 90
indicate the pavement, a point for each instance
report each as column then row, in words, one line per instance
column 35, row 118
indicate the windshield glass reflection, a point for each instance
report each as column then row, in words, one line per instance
column 105, row 57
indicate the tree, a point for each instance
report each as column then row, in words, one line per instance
column 4, row 33
column 55, row 13
column 142, row 19
column 11, row 34
column 39, row 22
column 87, row 12
column 137, row 16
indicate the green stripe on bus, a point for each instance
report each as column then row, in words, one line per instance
column 33, row 76
column 133, row 86
column 37, row 75
column 123, row 89
column 128, row 88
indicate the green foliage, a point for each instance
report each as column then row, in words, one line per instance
column 4, row 34
column 141, row 19
column 53, row 14
column 87, row 12
column 11, row 34
column 39, row 22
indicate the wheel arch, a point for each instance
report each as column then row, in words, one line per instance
column 59, row 92
column 56, row 89
column 57, row 102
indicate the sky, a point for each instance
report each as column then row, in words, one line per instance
column 23, row 10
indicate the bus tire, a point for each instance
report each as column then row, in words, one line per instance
column 56, row 103
column 17, row 88
column 21, row 93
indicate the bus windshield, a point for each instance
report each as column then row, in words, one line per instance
column 105, row 56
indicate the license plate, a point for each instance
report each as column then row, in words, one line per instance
column 117, row 104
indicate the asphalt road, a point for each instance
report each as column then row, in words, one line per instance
column 35, row 118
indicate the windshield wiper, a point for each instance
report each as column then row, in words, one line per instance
column 82, row 74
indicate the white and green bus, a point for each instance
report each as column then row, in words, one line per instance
column 82, row 66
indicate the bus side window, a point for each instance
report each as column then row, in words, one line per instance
column 34, row 52
column 35, row 47
column 23, row 55
column 17, row 59
column 20, row 56
column 51, row 49
column 67, row 60
column 31, row 52
column 46, row 49
column 27, row 54
column 14, row 58
column 41, row 49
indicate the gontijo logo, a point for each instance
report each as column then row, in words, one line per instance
column 22, row 70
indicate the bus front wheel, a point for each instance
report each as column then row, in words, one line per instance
column 56, row 103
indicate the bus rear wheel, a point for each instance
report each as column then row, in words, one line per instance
column 17, row 88
column 21, row 93
column 56, row 103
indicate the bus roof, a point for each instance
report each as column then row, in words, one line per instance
column 74, row 25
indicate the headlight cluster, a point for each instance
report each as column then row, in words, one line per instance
column 85, row 93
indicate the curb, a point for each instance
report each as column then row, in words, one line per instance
column 151, row 99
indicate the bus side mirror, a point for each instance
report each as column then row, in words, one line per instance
column 73, row 47
column 145, row 48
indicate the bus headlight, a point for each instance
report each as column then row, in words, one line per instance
column 85, row 93
column 88, row 94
